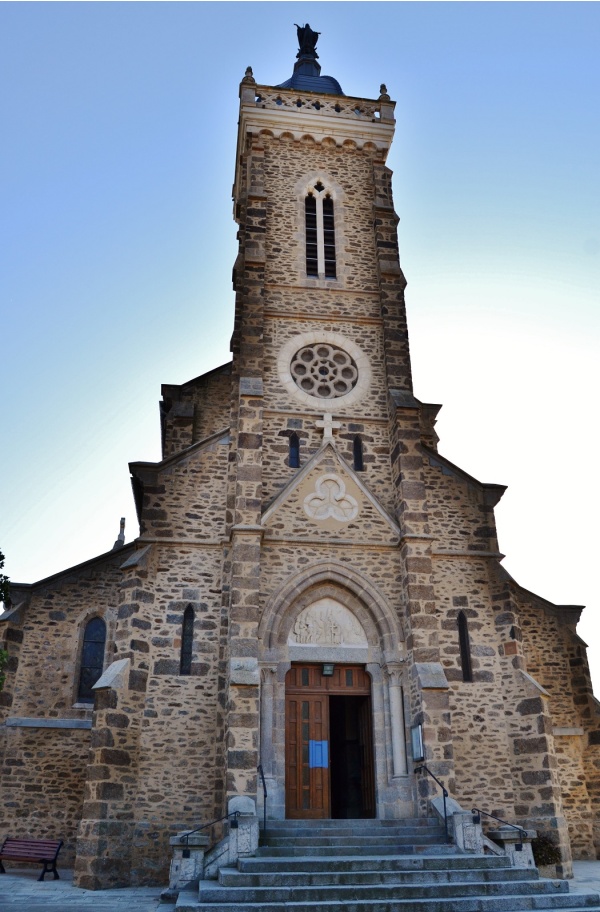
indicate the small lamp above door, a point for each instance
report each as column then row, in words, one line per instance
column 327, row 669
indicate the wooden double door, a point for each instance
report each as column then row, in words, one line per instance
column 328, row 743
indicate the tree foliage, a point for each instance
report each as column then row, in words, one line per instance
column 4, row 582
column 4, row 587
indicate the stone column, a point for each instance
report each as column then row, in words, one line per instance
column 267, row 708
column 398, row 729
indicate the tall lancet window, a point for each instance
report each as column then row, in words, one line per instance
column 357, row 452
column 465, row 647
column 312, row 257
column 187, row 641
column 92, row 658
column 320, row 233
column 294, row 460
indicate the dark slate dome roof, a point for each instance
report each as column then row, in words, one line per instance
column 324, row 84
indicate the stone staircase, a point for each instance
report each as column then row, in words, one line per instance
column 375, row 866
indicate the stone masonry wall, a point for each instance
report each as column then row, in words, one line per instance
column 195, row 410
column 477, row 706
column 278, row 428
column 42, row 777
column 459, row 518
column 367, row 336
column 288, row 165
column 43, row 769
column 185, row 499
column 554, row 656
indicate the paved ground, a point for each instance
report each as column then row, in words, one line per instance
column 20, row 892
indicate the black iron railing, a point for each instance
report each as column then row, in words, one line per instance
column 477, row 812
column 234, row 825
column 265, row 795
column 445, row 793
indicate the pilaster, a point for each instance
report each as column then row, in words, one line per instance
column 429, row 690
column 243, row 707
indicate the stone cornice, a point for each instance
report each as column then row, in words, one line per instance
column 463, row 552
column 339, row 118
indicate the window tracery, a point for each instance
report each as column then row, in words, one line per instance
column 320, row 233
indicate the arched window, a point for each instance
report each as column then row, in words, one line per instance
column 357, row 450
column 465, row 647
column 187, row 641
column 294, row 459
column 320, row 233
column 92, row 658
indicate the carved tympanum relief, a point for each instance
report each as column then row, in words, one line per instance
column 327, row 623
column 329, row 499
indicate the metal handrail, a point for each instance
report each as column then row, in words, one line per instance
column 477, row 812
column 235, row 814
column 445, row 795
column 265, row 795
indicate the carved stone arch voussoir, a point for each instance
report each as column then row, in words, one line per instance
column 336, row 581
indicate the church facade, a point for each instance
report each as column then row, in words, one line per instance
column 315, row 590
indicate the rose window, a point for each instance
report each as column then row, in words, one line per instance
column 324, row 371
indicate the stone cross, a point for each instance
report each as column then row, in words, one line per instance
column 328, row 425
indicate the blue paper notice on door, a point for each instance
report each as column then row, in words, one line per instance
column 318, row 754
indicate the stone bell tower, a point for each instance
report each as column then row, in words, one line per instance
column 321, row 358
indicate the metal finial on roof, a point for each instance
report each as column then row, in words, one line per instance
column 121, row 536
column 307, row 72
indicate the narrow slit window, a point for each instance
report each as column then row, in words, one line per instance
column 465, row 647
column 312, row 255
column 357, row 449
column 320, row 233
column 294, row 459
column 92, row 659
column 187, row 641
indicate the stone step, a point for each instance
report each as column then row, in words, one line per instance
column 420, row 863
column 290, row 850
column 377, row 839
column 213, row 892
column 335, row 832
column 571, row 902
column 376, row 866
column 362, row 823
column 236, row 878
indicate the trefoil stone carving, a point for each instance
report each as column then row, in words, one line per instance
column 329, row 499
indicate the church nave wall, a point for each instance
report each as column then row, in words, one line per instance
column 186, row 498
column 458, row 516
column 42, row 777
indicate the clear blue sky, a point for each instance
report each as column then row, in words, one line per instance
column 116, row 247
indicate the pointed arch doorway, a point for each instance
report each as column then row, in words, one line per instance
column 329, row 769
